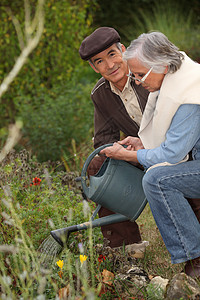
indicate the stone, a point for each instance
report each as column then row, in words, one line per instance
column 157, row 287
column 183, row 287
column 131, row 282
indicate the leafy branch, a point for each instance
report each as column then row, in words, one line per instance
column 27, row 41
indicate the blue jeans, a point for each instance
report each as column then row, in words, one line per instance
column 166, row 189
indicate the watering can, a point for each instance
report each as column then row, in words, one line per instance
column 117, row 186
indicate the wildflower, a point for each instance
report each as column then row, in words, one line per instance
column 36, row 181
column 82, row 259
column 60, row 263
column 101, row 258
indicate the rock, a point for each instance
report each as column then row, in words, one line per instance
column 157, row 287
column 183, row 287
column 131, row 282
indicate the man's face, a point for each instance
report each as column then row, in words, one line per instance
column 153, row 81
column 110, row 65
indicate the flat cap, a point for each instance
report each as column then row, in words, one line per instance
column 101, row 39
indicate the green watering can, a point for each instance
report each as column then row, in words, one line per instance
column 117, row 186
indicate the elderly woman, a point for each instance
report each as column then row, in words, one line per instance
column 169, row 144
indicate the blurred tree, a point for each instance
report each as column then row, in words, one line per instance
column 48, row 80
column 28, row 41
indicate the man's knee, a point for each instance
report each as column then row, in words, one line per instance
column 95, row 165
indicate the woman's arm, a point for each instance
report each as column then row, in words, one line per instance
column 181, row 137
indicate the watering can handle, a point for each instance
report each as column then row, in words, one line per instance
column 86, row 164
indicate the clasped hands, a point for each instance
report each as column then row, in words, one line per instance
column 117, row 151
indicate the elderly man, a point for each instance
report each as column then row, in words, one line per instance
column 118, row 107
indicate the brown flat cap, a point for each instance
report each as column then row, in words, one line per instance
column 101, row 39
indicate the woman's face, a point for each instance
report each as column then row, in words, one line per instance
column 153, row 81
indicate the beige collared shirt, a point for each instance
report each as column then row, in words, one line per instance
column 130, row 101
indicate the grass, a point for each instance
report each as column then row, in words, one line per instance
column 171, row 18
column 29, row 211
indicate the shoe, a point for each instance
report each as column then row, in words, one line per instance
column 137, row 250
column 192, row 268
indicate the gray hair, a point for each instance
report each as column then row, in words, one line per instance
column 153, row 49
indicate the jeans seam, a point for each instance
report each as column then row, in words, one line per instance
column 170, row 211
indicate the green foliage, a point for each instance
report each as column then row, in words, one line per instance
column 51, row 93
column 28, row 213
column 124, row 18
column 56, row 58
column 56, row 196
column 52, row 120
column 116, row 14
column 171, row 18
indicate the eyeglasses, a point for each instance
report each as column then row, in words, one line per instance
column 130, row 75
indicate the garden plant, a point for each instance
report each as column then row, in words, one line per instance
column 46, row 130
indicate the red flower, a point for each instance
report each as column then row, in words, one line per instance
column 36, row 181
column 101, row 258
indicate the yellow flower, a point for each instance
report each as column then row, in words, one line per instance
column 82, row 259
column 60, row 263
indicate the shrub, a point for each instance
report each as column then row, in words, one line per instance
column 171, row 18
column 30, row 209
column 52, row 120
column 51, row 93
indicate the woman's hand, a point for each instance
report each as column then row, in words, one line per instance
column 117, row 151
column 133, row 143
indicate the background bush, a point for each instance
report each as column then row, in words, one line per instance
column 52, row 92
column 176, row 20
column 179, row 20
column 51, row 122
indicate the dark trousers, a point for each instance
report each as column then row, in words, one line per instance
column 126, row 232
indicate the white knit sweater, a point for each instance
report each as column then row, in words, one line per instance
column 181, row 87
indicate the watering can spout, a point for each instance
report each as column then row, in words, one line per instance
column 56, row 237
column 61, row 235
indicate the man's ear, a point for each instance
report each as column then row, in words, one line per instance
column 93, row 67
column 123, row 48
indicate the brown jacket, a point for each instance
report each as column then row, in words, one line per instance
column 110, row 115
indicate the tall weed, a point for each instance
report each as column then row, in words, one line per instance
column 170, row 18
column 30, row 209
